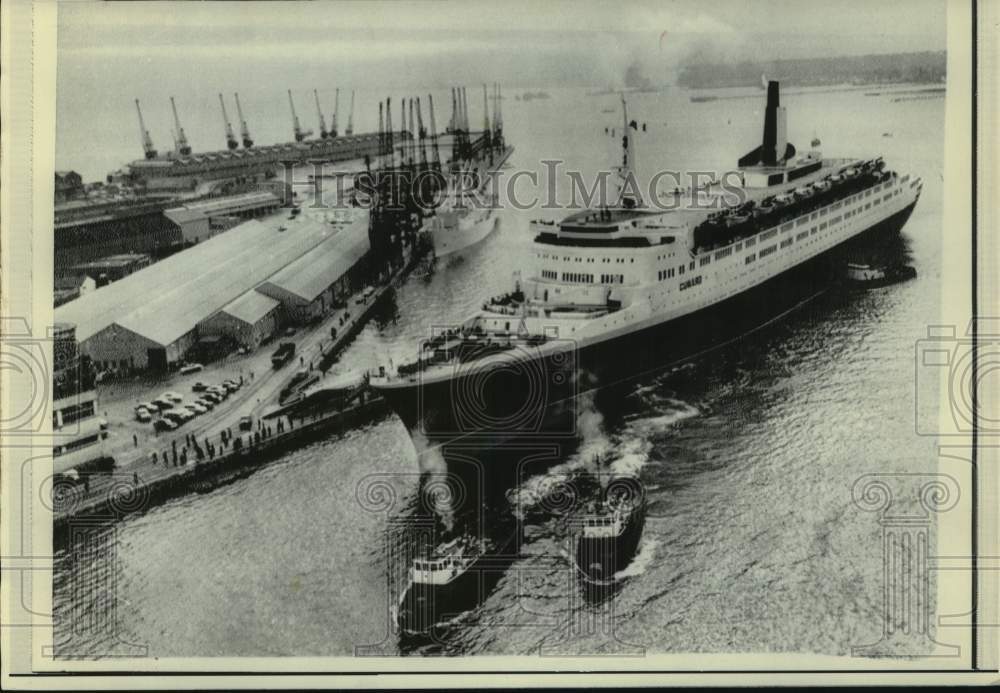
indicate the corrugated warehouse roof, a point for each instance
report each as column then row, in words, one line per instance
column 250, row 307
column 169, row 298
column 225, row 205
column 311, row 275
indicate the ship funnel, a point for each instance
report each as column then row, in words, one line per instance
column 322, row 123
column 231, row 141
column 244, row 130
column 147, row 141
column 350, row 117
column 774, row 149
column 183, row 148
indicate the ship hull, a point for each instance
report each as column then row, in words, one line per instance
column 422, row 606
column 535, row 402
column 453, row 240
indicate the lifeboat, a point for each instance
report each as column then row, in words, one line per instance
column 804, row 192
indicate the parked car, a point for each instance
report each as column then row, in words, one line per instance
column 178, row 415
column 191, row 368
column 148, row 406
column 163, row 404
column 199, row 387
column 195, row 408
column 164, row 425
column 220, row 392
column 212, row 397
column 143, row 415
column 246, row 423
column 171, row 396
column 206, row 402
column 231, row 385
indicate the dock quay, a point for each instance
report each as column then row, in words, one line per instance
column 214, row 449
column 214, row 462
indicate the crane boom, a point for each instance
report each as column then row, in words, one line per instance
column 322, row 123
column 231, row 142
column 350, row 117
column 297, row 130
column 183, row 148
column 336, row 111
column 244, row 130
column 147, row 142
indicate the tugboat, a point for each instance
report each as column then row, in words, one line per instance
column 872, row 276
column 451, row 578
column 609, row 531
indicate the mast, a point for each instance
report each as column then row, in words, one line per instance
column 244, row 130
column 486, row 123
column 147, row 142
column 183, row 148
column 422, row 134
column 454, row 112
column 434, row 137
column 628, row 160
column 323, row 134
column 336, row 111
column 413, row 136
column 300, row 134
column 231, row 141
column 350, row 117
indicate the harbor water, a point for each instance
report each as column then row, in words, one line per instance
column 748, row 455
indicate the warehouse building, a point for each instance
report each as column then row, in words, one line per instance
column 249, row 320
column 313, row 285
column 199, row 221
column 150, row 319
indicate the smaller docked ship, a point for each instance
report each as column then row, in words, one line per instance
column 451, row 578
column 609, row 530
column 466, row 216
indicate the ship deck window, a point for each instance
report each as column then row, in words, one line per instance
column 691, row 265
column 822, row 226
column 738, row 246
column 876, row 202
column 768, row 234
column 680, row 270
column 813, row 215
column 835, row 206
column 704, row 261
column 750, row 242
column 787, row 242
column 835, row 220
column 787, row 227
column 804, row 234
column 750, row 258
column 868, row 206
column 725, row 252
column 768, row 250
column 812, row 231
column 822, row 212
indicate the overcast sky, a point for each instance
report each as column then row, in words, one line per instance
column 426, row 42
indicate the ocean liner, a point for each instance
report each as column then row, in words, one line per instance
column 616, row 293
column 466, row 216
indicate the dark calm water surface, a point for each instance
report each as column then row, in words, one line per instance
column 748, row 456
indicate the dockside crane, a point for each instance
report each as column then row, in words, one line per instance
column 147, row 141
column 183, row 148
column 436, row 160
column 244, row 130
column 350, row 117
column 322, row 122
column 422, row 134
column 486, row 123
column 231, row 141
column 336, row 112
column 300, row 134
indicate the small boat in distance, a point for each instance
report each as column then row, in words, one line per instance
column 869, row 275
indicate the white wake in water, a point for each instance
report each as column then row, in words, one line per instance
column 642, row 560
